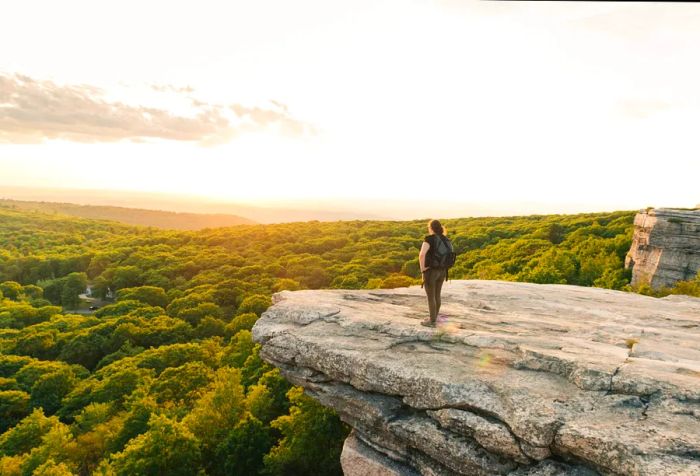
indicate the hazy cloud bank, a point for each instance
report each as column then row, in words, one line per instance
column 33, row 110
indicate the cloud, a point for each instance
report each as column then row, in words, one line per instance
column 278, row 117
column 32, row 111
column 161, row 88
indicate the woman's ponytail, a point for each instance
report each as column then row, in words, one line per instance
column 437, row 227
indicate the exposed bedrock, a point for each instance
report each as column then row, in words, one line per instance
column 522, row 379
column 665, row 247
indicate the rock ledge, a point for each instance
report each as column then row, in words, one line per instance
column 522, row 379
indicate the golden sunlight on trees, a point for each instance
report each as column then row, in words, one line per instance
column 166, row 379
column 167, row 447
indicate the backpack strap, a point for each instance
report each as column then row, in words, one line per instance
column 447, row 270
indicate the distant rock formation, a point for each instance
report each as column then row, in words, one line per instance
column 665, row 247
column 522, row 379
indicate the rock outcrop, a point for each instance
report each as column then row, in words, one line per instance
column 665, row 247
column 522, row 379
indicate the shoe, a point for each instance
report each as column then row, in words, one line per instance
column 427, row 323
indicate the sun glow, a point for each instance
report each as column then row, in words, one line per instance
column 390, row 100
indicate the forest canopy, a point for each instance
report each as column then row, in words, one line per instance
column 165, row 378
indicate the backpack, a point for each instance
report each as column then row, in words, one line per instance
column 443, row 256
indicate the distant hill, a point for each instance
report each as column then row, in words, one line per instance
column 283, row 211
column 132, row 216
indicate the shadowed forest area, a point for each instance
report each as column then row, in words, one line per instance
column 167, row 380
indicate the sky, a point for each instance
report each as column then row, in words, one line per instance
column 524, row 106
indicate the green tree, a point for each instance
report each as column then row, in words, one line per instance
column 348, row 282
column 74, row 285
column 241, row 322
column 49, row 389
column 397, row 281
column 267, row 399
column 38, row 344
column 51, row 468
column 182, row 385
column 210, row 327
column 11, row 290
column 151, row 295
column 33, row 291
column 256, row 303
column 613, row 279
column 127, row 349
column 228, row 294
column 253, row 367
column 243, row 449
column 27, row 433
column 126, row 277
column 11, row 364
column 283, row 284
column 121, row 308
column 412, row 268
column 690, row 287
column 139, row 408
column 91, row 416
column 57, row 446
column 53, row 289
column 85, row 349
column 239, row 349
column 34, row 369
column 312, row 439
column 194, row 315
column 168, row 447
column 14, row 405
column 218, row 411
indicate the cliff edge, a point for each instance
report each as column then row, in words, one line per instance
column 665, row 247
column 522, row 379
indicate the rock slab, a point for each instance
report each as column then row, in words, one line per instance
column 522, row 379
column 665, row 247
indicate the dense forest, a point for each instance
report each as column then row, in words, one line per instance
column 166, row 378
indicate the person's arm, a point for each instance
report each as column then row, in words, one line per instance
column 421, row 256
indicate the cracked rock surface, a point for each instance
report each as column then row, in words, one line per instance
column 522, row 379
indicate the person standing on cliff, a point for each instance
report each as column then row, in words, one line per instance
column 433, row 267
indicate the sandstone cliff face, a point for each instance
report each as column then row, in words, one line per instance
column 665, row 248
column 522, row 379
